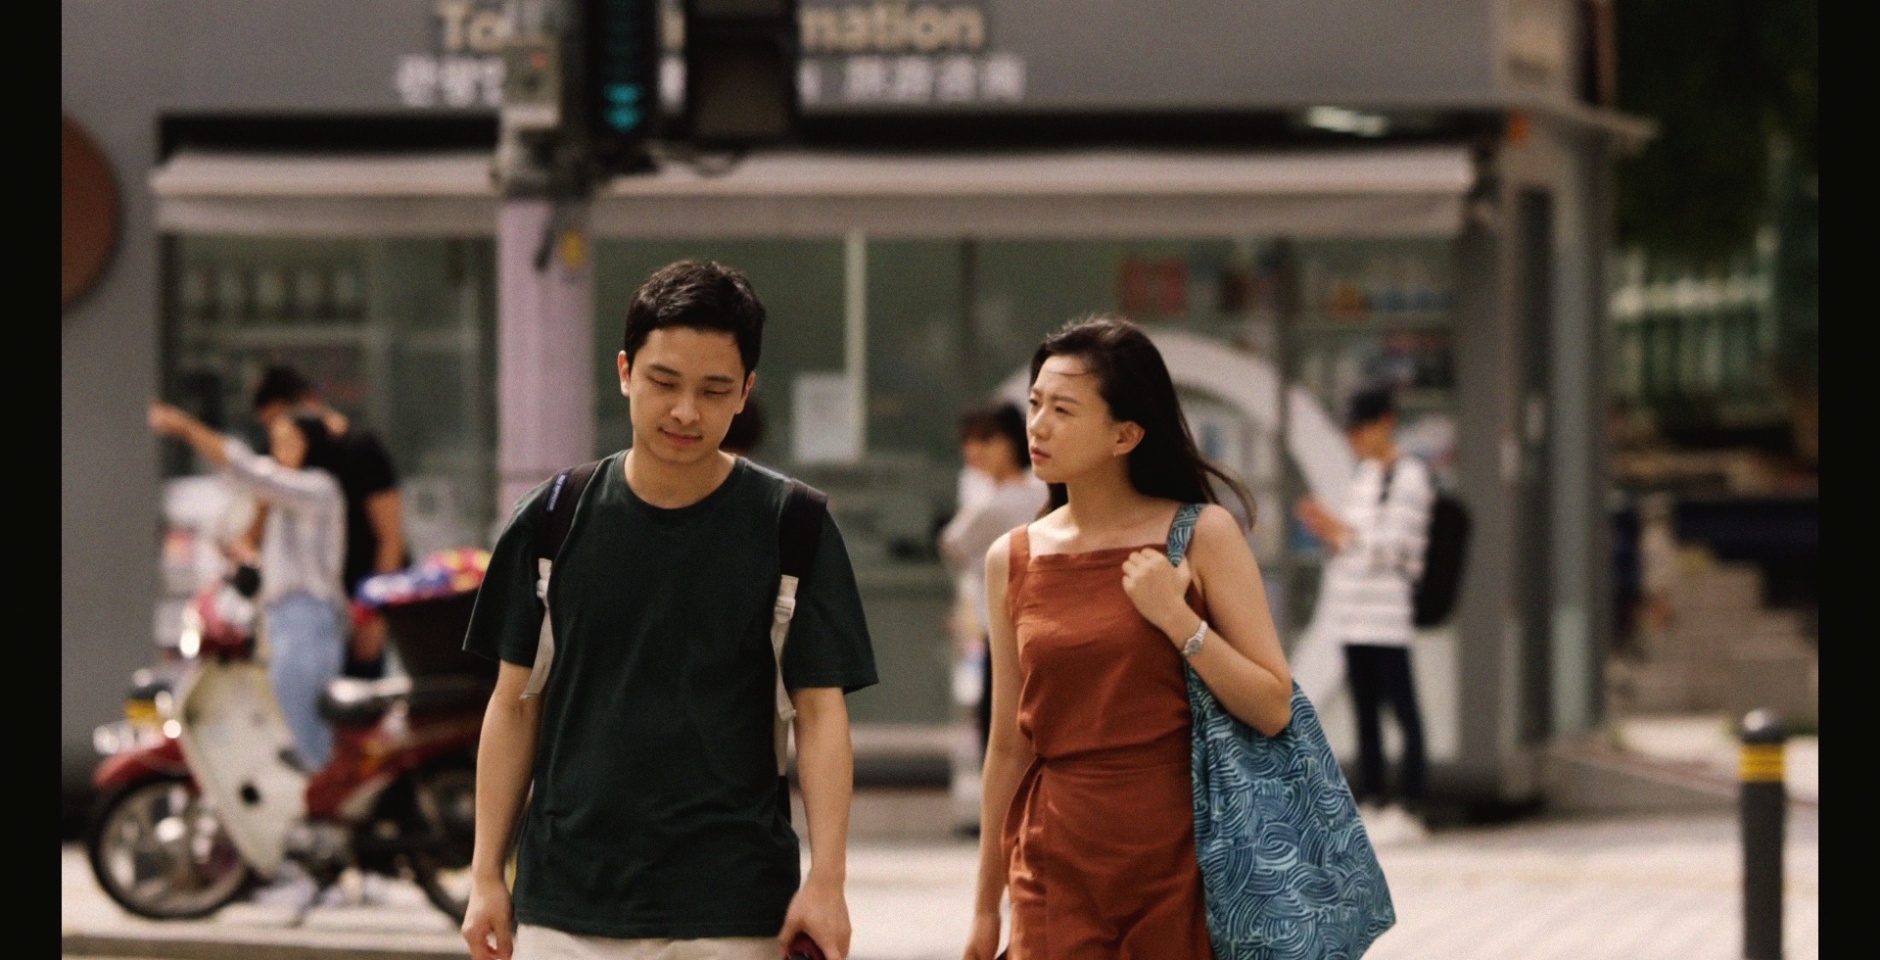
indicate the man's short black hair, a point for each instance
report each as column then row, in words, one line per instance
column 998, row 420
column 702, row 295
column 282, row 384
column 1369, row 406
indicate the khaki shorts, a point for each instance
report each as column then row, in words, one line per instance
column 544, row 943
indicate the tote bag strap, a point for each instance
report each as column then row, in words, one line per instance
column 1182, row 531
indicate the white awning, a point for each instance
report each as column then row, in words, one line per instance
column 440, row 194
column 1414, row 191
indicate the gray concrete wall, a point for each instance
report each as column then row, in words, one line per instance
column 264, row 55
column 1485, row 389
column 108, row 349
column 1235, row 54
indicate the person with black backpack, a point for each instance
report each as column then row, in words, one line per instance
column 664, row 619
column 1378, row 539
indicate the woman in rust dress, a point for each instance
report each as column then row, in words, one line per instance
column 1087, row 816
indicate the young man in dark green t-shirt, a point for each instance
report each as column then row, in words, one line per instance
column 656, row 825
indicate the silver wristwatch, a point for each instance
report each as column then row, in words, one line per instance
column 1193, row 646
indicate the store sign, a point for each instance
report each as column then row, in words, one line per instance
column 465, row 66
column 891, row 53
column 856, row 53
column 892, row 28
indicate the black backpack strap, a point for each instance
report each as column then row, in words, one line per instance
column 558, row 508
column 564, row 494
column 799, row 536
column 799, row 529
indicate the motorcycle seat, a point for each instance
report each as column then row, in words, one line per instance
column 448, row 692
column 349, row 701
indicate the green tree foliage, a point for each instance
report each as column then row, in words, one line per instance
column 1725, row 81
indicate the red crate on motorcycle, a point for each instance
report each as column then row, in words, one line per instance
column 426, row 608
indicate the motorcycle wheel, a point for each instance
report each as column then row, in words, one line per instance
column 158, row 849
column 446, row 807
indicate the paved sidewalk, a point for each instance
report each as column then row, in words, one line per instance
column 1654, row 888
column 1631, row 889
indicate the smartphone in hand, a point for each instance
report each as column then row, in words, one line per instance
column 803, row 948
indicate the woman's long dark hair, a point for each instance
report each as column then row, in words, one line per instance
column 1134, row 381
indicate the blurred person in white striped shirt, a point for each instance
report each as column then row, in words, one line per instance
column 1377, row 539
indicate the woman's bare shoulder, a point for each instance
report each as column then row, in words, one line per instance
column 1217, row 522
column 998, row 556
column 1219, row 538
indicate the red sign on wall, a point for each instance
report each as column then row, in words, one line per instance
column 88, row 211
column 1152, row 287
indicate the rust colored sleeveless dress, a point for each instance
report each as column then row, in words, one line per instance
column 1100, row 836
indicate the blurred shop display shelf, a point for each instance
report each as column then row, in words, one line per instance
column 1381, row 321
column 1408, row 400
column 444, row 340
column 289, row 335
column 902, row 577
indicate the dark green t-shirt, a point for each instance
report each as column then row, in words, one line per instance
column 657, row 810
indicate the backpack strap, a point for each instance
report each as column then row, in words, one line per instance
column 1182, row 532
column 799, row 537
column 558, row 509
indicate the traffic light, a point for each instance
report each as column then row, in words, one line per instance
column 740, row 71
column 618, row 107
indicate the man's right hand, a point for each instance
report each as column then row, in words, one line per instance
column 983, row 942
column 489, row 922
column 1321, row 522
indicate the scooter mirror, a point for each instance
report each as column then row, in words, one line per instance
column 246, row 581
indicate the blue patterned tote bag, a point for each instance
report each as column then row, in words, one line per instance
column 1287, row 868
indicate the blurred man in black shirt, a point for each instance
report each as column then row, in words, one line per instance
column 375, row 537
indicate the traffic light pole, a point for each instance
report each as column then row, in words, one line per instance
column 544, row 256
column 545, row 333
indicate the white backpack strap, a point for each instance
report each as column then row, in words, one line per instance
column 779, row 632
column 545, row 643
column 799, row 531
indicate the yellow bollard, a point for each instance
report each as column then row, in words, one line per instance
column 1763, row 809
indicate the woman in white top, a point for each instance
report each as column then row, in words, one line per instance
column 303, row 549
column 993, row 444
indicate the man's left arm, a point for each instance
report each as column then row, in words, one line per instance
column 385, row 511
column 377, row 484
column 825, row 766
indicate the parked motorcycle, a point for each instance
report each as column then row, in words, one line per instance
column 200, row 795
